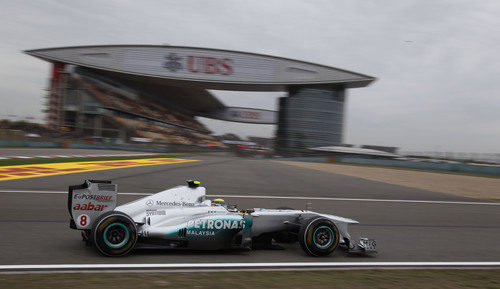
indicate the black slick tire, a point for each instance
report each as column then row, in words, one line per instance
column 114, row 234
column 319, row 237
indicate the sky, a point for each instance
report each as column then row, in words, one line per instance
column 436, row 62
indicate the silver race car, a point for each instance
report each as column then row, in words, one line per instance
column 182, row 218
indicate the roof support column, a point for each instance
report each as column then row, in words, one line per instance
column 310, row 117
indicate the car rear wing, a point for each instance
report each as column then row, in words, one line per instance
column 88, row 201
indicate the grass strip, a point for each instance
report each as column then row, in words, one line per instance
column 16, row 162
column 422, row 278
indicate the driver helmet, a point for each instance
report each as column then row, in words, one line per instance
column 218, row 202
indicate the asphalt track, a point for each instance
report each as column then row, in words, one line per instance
column 34, row 226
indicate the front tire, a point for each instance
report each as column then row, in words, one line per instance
column 319, row 237
column 114, row 234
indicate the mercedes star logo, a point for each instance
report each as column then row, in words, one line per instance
column 150, row 203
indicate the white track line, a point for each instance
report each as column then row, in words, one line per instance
column 248, row 265
column 284, row 197
column 62, row 192
column 33, row 192
column 356, row 200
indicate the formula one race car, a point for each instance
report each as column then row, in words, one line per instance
column 181, row 218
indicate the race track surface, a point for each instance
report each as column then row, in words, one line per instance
column 35, row 228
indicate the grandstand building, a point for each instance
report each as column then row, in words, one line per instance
column 155, row 93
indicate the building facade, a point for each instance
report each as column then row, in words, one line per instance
column 310, row 117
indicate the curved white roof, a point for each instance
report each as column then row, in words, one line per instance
column 353, row 150
column 203, row 67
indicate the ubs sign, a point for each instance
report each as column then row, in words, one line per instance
column 246, row 115
column 199, row 64
column 196, row 64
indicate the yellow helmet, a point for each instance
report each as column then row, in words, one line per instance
column 218, row 202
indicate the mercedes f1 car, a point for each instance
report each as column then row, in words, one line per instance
column 182, row 218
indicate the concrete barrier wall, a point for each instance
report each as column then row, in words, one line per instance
column 119, row 147
column 447, row 167
column 305, row 159
column 166, row 148
column 30, row 144
column 459, row 168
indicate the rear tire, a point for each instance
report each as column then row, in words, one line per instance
column 319, row 237
column 114, row 234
